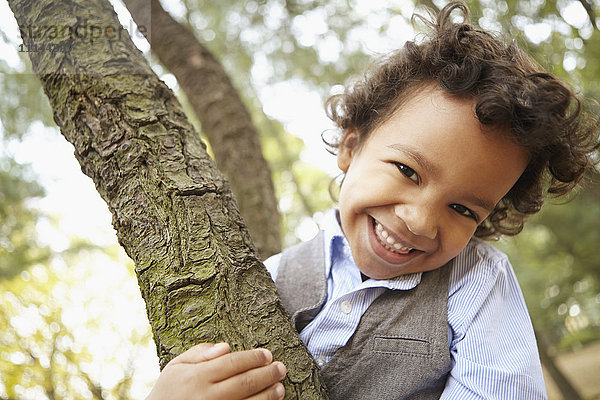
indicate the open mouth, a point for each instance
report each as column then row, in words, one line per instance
column 388, row 241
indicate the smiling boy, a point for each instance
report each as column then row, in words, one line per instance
column 416, row 189
column 413, row 303
column 442, row 144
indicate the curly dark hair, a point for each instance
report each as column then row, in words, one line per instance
column 510, row 91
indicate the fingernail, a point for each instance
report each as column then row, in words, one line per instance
column 217, row 349
column 280, row 390
column 268, row 355
column 282, row 370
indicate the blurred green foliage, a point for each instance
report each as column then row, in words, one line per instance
column 19, row 247
column 22, row 100
column 558, row 265
column 321, row 44
column 61, row 337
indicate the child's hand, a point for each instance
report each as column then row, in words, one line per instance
column 210, row 371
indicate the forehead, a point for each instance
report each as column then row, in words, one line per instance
column 428, row 113
column 442, row 134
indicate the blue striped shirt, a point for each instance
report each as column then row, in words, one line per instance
column 492, row 344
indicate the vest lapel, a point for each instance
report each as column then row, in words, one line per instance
column 303, row 294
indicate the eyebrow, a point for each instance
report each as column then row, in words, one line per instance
column 417, row 156
column 424, row 163
column 486, row 205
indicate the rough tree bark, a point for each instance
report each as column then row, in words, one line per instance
column 225, row 120
column 173, row 211
column 198, row 71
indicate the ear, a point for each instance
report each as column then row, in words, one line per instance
column 347, row 149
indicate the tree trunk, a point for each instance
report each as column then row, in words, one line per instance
column 224, row 118
column 173, row 211
column 566, row 389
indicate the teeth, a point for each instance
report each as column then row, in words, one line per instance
column 388, row 241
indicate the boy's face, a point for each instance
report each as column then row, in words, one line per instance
column 416, row 189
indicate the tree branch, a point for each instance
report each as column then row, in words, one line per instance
column 224, row 118
column 590, row 12
column 173, row 211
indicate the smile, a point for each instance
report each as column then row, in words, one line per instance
column 390, row 249
column 388, row 241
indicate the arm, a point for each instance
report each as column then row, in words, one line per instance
column 493, row 348
column 208, row 371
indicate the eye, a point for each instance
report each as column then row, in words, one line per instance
column 464, row 211
column 408, row 172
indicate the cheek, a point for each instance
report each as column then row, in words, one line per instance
column 456, row 240
column 365, row 182
column 350, row 191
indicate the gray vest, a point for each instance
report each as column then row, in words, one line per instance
column 400, row 348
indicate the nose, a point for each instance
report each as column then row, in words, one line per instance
column 419, row 219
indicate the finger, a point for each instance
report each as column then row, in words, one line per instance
column 237, row 362
column 251, row 382
column 273, row 392
column 202, row 352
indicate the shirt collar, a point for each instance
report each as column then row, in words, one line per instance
column 338, row 250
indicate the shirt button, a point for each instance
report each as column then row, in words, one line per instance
column 320, row 361
column 346, row 307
